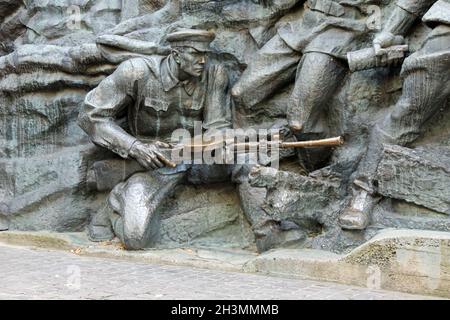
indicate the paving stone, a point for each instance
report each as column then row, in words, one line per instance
column 43, row 274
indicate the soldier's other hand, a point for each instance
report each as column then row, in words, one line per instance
column 264, row 3
column 385, row 40
column 295, row 126
column 282, row 127
column 149, row 155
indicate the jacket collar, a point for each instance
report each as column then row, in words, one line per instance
column 170, row 81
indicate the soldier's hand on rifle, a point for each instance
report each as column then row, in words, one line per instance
column 384, row 44
column 385, row 40
column 149, row 155
column 282, row 126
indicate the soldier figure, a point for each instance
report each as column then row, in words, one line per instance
column 426, row 89
column 314, row 49
column 159, row 94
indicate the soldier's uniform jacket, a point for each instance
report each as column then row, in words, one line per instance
column 333, row 27
column 154, row 103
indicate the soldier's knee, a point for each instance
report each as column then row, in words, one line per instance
column 128, row 194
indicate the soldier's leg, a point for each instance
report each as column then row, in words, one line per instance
column 318, row 77
column 102, row 176
column 426, row 88
column 273, row 67
column 136, row 202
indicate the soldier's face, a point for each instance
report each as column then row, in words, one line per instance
column 192, row 61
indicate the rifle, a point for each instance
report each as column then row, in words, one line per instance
column 195, row 146
column 330, row 142
column 238, row 147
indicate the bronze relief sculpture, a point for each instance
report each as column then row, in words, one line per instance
column 284, row 66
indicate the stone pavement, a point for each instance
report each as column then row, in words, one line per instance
column 28, row 273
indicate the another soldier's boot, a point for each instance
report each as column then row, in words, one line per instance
column 357, row 215
column 100, row 228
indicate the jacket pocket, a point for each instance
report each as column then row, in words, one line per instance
column 156, row 104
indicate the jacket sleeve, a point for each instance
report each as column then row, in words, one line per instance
column 416, row 7
column 104, row 104
column 217, row 112
column 405, row 14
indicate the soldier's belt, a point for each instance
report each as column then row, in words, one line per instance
column 328, row 7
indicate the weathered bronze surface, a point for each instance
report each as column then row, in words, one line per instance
column 97, row 97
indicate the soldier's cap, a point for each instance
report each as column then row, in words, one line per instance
column 193, row 38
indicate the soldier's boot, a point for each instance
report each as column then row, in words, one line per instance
column 100, row 228
column 357, row 215
column 272, row 234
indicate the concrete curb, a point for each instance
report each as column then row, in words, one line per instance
column 412, row 261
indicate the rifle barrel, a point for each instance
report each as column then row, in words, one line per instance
column 244, row 146
column 330, row 142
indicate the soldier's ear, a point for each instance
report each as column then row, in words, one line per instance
column 176, row 55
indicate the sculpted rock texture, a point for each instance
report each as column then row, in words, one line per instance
column 53, row 52
column 420, row 176
column 12, row 15
column 44, row 79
